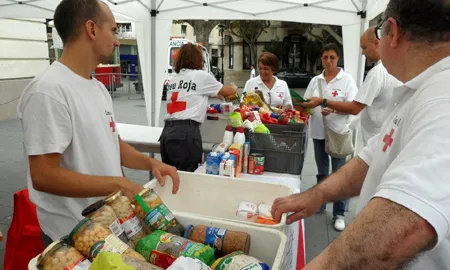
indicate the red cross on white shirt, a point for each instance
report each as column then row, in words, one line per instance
column 388, row 140
column 112, row 125
column 335, row 93
column 280, row 95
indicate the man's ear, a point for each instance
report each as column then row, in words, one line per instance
column 393, row 33
column 91, row 29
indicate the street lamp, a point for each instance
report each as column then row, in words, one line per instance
column 222, row 30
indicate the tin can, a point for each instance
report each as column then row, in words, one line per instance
column 256, row 164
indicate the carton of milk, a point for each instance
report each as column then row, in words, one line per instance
column 227, row 165
column 213, row 163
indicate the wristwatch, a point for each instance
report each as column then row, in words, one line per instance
column 324, row 103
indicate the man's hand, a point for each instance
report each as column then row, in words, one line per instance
column 159, row 170
column 303, row 205
column 327, row 111
column 314, row 102
column 130, row 188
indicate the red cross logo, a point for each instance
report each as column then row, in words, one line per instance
column 280, row 95
column 112, row 125
column 335, row 93
column 388, row 140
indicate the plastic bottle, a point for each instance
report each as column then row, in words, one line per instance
column 228, row 136
column 239, row 138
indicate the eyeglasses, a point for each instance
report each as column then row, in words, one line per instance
column 379, row 27
column 331, row 57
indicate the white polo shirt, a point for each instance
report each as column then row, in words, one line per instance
column 376, row 92
column 63, row 113
column 279, row 95
column 191, row 90
column 409, row 159
column 341, row 88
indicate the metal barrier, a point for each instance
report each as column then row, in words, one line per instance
column 122, row 84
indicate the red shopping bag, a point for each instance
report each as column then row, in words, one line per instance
column 24, row 241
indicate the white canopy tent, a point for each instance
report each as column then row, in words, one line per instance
column 154, row 19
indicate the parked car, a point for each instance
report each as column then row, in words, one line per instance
column 295, row 78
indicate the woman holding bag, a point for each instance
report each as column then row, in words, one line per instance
column 329, row 130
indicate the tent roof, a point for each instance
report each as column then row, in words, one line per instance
column 337, row 12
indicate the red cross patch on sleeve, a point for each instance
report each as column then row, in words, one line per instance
column 176, row 106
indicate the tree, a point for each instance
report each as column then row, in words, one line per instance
column 312, row 49
column 249, row 31
column 202, row 29
column 276, row 47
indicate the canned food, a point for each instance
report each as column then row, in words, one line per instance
column 256, row 164
column 150, row 208
column 126, row 216
column 104, row 214
column 60, row 255
column 91, row 238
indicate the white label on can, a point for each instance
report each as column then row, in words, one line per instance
column 131, row 225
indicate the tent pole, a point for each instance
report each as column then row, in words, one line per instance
column 153, row 59
column 360, row 75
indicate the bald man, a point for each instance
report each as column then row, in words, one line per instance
column 373, row 99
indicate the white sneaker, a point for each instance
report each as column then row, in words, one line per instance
column 339, row 223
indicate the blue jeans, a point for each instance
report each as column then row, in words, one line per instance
column 323, row 168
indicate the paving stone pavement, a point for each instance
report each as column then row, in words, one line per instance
column 319, row 231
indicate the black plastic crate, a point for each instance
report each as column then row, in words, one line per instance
column 283, row 152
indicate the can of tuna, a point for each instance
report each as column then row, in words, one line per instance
column 256, row 164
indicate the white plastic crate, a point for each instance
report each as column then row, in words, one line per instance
column 218, row 196
column 267, row 245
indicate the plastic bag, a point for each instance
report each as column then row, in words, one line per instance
column 184, row 263
column 113, row 261
column 236, row 119
column 262, row 129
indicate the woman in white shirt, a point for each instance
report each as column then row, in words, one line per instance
column 276, row 92
column 339, row 86
column 189, row 89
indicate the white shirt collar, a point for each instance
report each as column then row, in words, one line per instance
column 338, row 76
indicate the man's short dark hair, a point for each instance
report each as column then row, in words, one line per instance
column 331, row 47
column 421, row 20
column 71, row 15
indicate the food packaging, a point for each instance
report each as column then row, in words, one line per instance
column 237, row 151
column 91, row 238
column 183, row 263
column 245, row 158
column 247, row 211
column 150, row 208
column 256, row 164
column 60, row 255
column 126, row 216
column 227, row 165
column 223, row 241
column 239, row 261
column 113, row 261
column 236, row 119
column 265, row 215
column 175, row 246
column 103, row 214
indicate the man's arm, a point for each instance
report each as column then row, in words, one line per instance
column 342, row 107
column 47, row 176
column 343, row 184
column 385, row 235
column 133, row 159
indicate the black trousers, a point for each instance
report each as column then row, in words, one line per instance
column 181, row 144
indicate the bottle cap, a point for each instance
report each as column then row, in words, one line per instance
column 229, row 128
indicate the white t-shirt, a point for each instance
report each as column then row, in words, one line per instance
column 61, row 112
column 341, row 88
column 252, row 74
column 191, row 88
column 409, row 159
column 376, row 92
column 279, row 95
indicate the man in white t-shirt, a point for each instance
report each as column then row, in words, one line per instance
column 73, row 147
column 402, row 176
column 374, row 97
column 252, row 72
